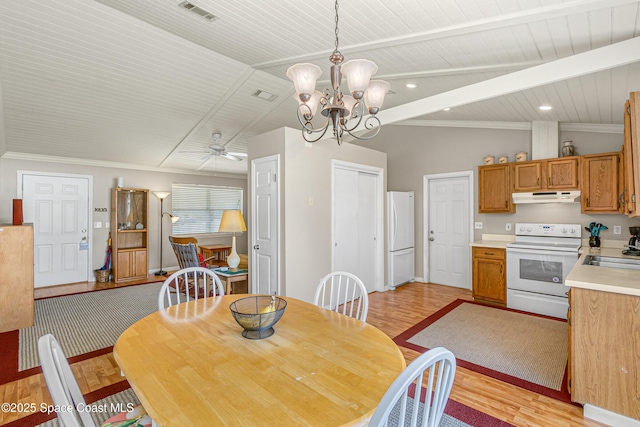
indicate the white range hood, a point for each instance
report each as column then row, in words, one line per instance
column 547, row 197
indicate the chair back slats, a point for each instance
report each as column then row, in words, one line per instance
column 344, row 293
column 405, row 394
column 187, row 254
column 189, row 284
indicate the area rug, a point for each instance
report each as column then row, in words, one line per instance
column 529, row 351
column 86, row 325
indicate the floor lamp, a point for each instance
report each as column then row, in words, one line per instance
column 232, row 222
column 163, row 195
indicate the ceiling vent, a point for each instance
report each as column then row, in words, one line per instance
column 198, row 10
column 264, row 95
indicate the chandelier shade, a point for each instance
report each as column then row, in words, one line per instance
column 338, row 107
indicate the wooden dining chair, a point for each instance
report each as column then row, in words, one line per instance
column 65, row 392
column 343, row 292
column 189, row 284
column 409, row 404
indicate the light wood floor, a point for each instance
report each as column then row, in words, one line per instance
column 393, row 313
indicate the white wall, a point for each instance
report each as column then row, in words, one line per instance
column 104, row 179
column 415, row 151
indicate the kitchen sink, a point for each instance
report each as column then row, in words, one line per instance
column 612, row 262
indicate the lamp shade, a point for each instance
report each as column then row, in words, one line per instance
column 304, row 77
column 358, row 73
column 312, row 103
column 161, row 194
column 374, row 95
column 349, row 102
column 232, row 221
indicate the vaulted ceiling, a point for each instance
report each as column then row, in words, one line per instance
column 147, row 83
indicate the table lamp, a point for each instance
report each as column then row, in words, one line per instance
column 163, row 195
column 232, row 222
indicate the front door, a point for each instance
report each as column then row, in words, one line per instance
column 448, row 231
column 58, row 207
column 265, row 222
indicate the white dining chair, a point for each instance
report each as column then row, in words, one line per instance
column 440, row 364
column 343, row 292
column 188, row 284
column 65, row 392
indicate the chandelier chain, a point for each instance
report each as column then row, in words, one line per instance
column 336, row 51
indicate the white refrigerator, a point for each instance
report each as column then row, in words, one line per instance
column 401, row 257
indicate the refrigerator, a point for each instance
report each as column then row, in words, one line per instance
column 400, row 243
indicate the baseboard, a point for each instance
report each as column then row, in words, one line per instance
column 608, row 417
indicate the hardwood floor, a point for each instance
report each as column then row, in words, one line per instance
column 393, row 313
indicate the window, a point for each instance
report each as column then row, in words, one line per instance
column 200, row 207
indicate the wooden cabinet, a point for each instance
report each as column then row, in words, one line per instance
column 129, row 233
column 600, row 183
column 569, row 345
column 16, row 270
column 494, row 189
column 489, row 275
column 631, row 154
column 552, row 174
column 604, row 358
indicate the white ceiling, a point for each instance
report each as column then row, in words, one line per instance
column 137, row 82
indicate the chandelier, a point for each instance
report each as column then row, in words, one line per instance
column 343, row 112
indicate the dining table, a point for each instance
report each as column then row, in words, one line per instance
column 189, row 365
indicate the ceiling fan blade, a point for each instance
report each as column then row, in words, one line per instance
column 234, row 153
column 206, row 156
column 194, row 152
column 231, row 157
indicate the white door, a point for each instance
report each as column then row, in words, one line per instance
column 356, row 219
column 264, row 226
column 449, row 231
column 58, row 207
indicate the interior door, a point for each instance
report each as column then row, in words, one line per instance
column 58, row 207
column 355, row 224
column 265, row 221
column 448, row 231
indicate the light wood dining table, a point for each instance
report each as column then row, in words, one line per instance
column 190, row 366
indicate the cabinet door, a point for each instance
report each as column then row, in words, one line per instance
column 488, row 280
column 140, row 263
column 527, row 176
column 632, row 154
column 600, row 183
column 562, row 174
column 123, row 261
column 494, row 189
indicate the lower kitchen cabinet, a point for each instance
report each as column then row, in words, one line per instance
column 132, row 264
column 489, row 275
column 605, row 368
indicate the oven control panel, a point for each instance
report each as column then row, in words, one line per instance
column 552, row 230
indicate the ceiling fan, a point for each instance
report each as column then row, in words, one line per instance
column 218, row 150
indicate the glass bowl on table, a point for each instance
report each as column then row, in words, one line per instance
column 258, row 314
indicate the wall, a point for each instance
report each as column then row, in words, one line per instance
column 104, row 179
column 415, row 151
column 306, row 172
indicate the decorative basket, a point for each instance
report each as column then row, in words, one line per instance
column 250, row 313
column 102, row 276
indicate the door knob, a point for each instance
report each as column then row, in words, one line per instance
column 256, row 247
column 431, row 239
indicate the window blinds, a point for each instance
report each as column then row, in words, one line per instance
column 200, row 207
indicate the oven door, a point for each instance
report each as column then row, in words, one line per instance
column 539, row 271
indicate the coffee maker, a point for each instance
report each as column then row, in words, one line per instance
column 634, row 242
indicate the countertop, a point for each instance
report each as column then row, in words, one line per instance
column 616, row 280
column 498, row 241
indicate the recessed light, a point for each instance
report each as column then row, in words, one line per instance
column 447, row 109
column 411, row 85
column 545, row 107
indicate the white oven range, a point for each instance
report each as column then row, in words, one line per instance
column 538, row 262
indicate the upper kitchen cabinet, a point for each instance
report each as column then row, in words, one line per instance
column 600, row 183
column 631, row 154
column 551, row 174
column 494, row 189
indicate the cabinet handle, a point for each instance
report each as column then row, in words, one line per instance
column 488, row 253
column 538, row 182
column 500, row 268
column 587, row 202
column 549, row 181
column 506, row 204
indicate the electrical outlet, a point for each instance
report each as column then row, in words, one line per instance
column 508, row 226
column 310, row 201
column 617, row 229
column 478, row 226
column 107, row 224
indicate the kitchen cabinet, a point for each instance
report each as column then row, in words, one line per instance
column 604, row 358
column 16, row 270
column 631, row 150
column 489, row 275
column 494, row 189
column 599, row 179
column 569, row 345
column 129, row 233
column 552, row 174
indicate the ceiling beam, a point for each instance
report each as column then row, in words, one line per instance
column 502, row 21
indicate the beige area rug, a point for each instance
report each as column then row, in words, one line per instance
column 516, row 347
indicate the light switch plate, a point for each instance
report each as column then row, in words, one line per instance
column 617, row 229
column 478, row 226
column 508, row 226
column 97, row 225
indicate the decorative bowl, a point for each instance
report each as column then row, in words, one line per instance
column 255, row 316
